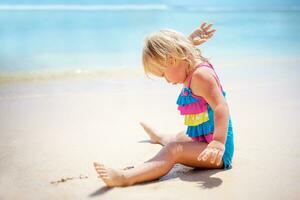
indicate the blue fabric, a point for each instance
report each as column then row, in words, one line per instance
column 224, row 93
column 183, row 100
column 229, row 148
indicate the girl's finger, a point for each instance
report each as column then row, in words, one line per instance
column 219, row 158
column 201, row 155
column 212, row 31
column 197, row 32
column 213, row 156
column 209, row 35
column 202, row 25
column 208, row 27
column 206, row 155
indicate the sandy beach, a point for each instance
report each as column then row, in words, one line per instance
column 73, row 92
column 56, row 129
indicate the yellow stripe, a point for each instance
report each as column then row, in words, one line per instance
column 195, row 119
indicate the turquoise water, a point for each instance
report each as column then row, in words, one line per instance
column 81, row 39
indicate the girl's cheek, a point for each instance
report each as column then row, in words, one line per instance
column 171, row 78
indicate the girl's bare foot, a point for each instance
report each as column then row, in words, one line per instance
column 111, row 177
column 154, row 136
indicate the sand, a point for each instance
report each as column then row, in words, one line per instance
column 56, row 129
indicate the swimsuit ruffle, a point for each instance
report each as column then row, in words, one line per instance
column 204, row 138
column 193, row 108
column 202, row 129
column 185, row 97
column 199, row 116
column 196, row 119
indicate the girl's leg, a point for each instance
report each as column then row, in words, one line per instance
column 185, row 153
column 164, row 139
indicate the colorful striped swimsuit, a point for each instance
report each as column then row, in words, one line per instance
column 199, row 117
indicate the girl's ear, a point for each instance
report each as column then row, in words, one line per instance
column 170, row 60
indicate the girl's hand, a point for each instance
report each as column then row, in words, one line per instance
column 201, row 34
column 214, row 151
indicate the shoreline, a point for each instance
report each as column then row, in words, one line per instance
column 264, row 64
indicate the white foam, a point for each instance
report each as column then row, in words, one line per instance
column 79, row 7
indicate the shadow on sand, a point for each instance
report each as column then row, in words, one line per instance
column 203, row 177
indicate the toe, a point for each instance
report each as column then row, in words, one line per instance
column 98, row 164
column 98, row 167
column 144, row 125
column 103, row 176
column 102, row 172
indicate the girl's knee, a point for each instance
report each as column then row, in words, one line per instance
column 175, row 149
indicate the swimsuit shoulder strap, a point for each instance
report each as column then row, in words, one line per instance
column 190, row 78
column 206, row 64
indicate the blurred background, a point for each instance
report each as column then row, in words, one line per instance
column 89, row 37
column 72, row 91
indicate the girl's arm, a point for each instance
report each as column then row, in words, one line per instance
column 205, row 84
column 201, row 34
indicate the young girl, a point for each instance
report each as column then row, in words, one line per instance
column 208, row 140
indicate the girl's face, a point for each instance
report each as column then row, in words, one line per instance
column 176, row 73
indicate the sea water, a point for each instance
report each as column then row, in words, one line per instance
column 45, row 39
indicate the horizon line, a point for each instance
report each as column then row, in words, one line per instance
column 120, row 7
column 82, row 7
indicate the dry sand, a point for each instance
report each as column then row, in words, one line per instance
column 57, row 129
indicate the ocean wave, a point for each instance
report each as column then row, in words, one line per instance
column 48, row 75
column 142, row 7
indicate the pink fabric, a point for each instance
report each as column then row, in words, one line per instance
column 193, row 108
column 204, row 138
column 207, row 64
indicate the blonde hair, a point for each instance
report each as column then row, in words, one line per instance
column 159, row 45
